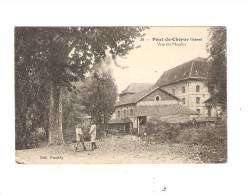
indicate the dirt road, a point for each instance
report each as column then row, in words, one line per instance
column 113, row 149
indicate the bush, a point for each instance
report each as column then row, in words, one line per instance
column 32, row 139
column 180, row 133
column 210, row 141
column 162, row 131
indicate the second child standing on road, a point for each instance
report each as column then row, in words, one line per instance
column 93, row 136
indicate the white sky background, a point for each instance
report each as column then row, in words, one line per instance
column 147, row 63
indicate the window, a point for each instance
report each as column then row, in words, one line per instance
column 197, row 88
column 183, row 89
column 157, row 98
column 183, row 100
column 209, row 111
column 124, row 113
column 118, row 114
column 198, row 110
column 173, row 91
column 131, row 112
column 197, row 100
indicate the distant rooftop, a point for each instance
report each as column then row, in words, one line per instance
column 136, row 88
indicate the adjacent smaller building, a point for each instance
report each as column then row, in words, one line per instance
column 134, row 109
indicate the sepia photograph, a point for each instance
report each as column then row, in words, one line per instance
column 120, row 95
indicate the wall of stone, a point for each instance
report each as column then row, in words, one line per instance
column 191, row 94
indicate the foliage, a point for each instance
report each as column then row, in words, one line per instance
column 69, row 119
column 162, row 131
column 95, row 96
column 209, row 142
column 59, row 55
column 31, row 104
column 217, row 50
column 100, row 99
column 184, row 133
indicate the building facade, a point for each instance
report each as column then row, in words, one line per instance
column 179, row 95
column 189, row 82
column 132, row 111
column 192, row 93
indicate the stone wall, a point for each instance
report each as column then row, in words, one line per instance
column 189, row 96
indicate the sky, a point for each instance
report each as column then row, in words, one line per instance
column 162, row 48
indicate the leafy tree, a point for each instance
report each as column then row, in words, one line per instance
column 31, row 91
column 54, row 57
column 99, row 97
column 217, row 76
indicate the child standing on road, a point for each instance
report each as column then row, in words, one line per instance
column 93, row 136
column 79, row 138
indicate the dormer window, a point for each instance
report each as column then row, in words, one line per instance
column 157, row 98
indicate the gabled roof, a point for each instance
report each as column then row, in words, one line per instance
column 136, row 88
column 196, row 68
column 134, row 98
column 164, row 110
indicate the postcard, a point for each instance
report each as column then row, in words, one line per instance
column 120, row 95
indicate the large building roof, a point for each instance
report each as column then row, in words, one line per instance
column 134, row 98
column 136, row 88
column 197, row 68
column 164, row 110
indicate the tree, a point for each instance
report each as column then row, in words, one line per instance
column 217, row 77
column 99, row 96
column 59, row 56
column 31, row 90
